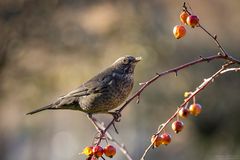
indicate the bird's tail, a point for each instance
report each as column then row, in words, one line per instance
column 50, row 106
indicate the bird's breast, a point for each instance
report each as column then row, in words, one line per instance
column 111, row 97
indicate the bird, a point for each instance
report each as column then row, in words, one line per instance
column 102, row 93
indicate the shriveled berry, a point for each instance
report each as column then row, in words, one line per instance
column 177, row 126
column 186, row 94
column 97, row 151
column 192, row 20
column 88, row 151
column 183, row 112
column 195, row 109
column 166, row 138
column 179, row 31
column 183, row 17
column 109, row 151
column 156, row 140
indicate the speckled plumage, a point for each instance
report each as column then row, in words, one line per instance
column 102, row 93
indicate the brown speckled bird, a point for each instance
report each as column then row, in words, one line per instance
column 102, row 93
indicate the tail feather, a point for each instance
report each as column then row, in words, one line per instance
column 40, row 109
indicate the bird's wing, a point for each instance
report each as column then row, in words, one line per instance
column 97, row 84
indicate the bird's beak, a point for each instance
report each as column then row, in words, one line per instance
column 138, row 59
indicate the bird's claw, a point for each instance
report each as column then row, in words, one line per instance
column 116, row 115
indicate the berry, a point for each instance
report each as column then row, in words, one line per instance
column 195, row 109
column 183, row 17
column 156, row 140
column 192, row 20
column 179, row 31
column 109, row 151
column 183, row 112
column 88, row 151
column 97, row 151
column 166, row 138
column 177, row 126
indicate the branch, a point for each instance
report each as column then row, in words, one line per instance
column 214, row 38
column 153, row 79
column 231, row 69
column 109, row 137
column 221, row 55
column 201, row 87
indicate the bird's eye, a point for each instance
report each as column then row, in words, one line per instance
column 125, row 61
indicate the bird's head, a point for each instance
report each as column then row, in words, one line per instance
column 126, row 64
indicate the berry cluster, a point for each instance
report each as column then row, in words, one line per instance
column 177, row 126
column 95, row 152
column 186, row 18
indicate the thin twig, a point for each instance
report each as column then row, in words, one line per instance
column 213, row 36
column 231, row 69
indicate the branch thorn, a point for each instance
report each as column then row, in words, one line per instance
column 138, row 98
column 215, row 36
column 115, row 128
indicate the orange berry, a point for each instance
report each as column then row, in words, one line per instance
column 183, row 17
column 195, row 109
column 192, row 20
column 97, row 151
column 183, row 112
column 177, row 126
column 88, row 151
column 166, row 138
column 156, row 140
column 179, row 31
column 109, row 151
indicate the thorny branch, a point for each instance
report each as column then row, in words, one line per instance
column 158, row 75
column 145, row 84
column 229, row 60
column 200, row 88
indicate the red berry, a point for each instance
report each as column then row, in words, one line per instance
column 97, row 151
column 183, row 112
column 183, row 17
column 109, row 151
column 195, row 109
column 156, row 140
column 179, row 31
column 166, row 138
column 177, row 126
column 192, row 20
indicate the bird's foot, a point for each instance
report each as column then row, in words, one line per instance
column 116, row 115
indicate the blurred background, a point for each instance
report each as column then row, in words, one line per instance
column 49, row 47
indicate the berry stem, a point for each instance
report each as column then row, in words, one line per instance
column 194, row 99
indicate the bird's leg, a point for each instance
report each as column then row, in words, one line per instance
column 94, row 122
column 116, row 115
